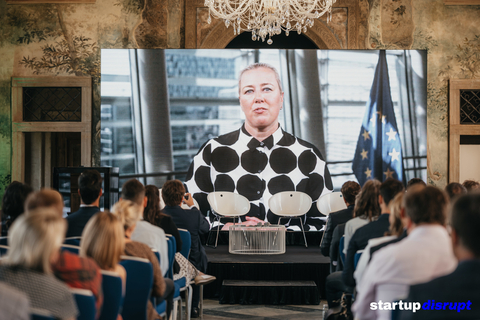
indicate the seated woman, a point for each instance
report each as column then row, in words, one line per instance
column 128, row 213
column 173, row 194
column 12, row 203
column 103, row 241
column 35, row 242
column 155, row 216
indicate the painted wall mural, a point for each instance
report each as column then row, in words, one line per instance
column 65, row 39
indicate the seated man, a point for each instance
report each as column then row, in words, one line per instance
column 75, row 271
column 90, row 191
column 375, row 229
column 173, row 194
column 145, row 232
column 424, row 254
column 349, row 190
column 461, row 287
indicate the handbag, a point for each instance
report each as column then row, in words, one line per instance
column 343, row 311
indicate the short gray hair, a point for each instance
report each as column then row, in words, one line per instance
column 260, row 65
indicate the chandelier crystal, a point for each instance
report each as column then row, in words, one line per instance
column 266, row 18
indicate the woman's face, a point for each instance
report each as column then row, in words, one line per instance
column 260, row 98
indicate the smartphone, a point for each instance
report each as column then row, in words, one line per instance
column 186, row 197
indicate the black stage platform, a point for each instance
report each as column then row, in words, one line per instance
column 297, row 264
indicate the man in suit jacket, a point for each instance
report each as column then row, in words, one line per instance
column 90, row 191
column 173, row 194
column 374, row 229
column 349, row 190
column 461, row 287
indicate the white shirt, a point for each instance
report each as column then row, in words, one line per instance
column 154, row 237
column 422, row 256
column 350, row 227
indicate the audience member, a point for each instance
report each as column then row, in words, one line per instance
column 415, row 181
column 454, row 189
column 145, row 232
column 349, row 191
column 35, row 241
column 103, row 240
column 459, row 288
column 173, row 194
column 75, row 271
column 424, row 254
column 129, row 214
column 13, row 203
column 90, row 191
column 471, row 185
column 153, row 214
column 334, row 247
column 376, row 229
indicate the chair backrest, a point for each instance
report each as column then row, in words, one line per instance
column 331, row 202
column 3, row 250
column 112, row 295
column 290, row 203
column 341, row 245
column 85, row 303
column 358, row 254
column 172, row 249
column 40, row 314
column 71, row 248
column 228, row 204
column 186, row 242
column 4, row 241
column 138, row 288
column 74, row 241
column 157, row 254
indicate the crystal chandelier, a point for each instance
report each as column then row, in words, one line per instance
column 266, row 18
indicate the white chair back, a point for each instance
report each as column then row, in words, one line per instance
column 228, row 204
column 331, row 202
column 290, row 203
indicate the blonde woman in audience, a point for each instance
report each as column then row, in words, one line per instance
column 103, row 241
column 35, row 240
column 128, row 213
column 366, row 209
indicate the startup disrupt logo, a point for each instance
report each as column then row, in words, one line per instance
column 415, row 306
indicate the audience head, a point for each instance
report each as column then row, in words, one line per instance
column 465, row 223
column 35, row 239
column 454, row 189
column 389, row 189
column 14, row 200
column 366, row 203
column 471, row 185
column 426, row 205
column 152, row 210
column 45, row 198
column 103, row 240
column 128, row 213
column 349, row 190
column 415, row 181
column 134, row 191
column 90, row 186
column 395, row 218
column 173, row 192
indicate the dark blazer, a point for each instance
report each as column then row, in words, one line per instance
column 381, row 245
column 359, row 241
column 334, row 252
column 77, row 220
column 334, row 219
column 462, row 285
column 194, row 221
column 167, row 224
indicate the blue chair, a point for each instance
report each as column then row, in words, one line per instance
column 112, row 295
column 180, row 284
column 162, row 309
column 3, row 250
column 74, row 241
column 340, row 249
column 4, row 241
column 70, row 248
column 358, row 254
column 138, row 288
column 85, row 303
column 186, row 242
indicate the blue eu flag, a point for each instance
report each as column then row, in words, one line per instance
column 379, row 150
